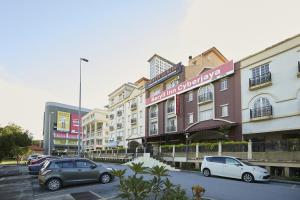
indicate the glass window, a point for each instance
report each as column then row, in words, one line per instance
column 224, row 110
column 231, row 161
column 190, row 96
column 224, row 84
column 65, row 164
column 205, row 115
column 260, row 70
column 218, row 160
column 191, row 118
column 83, row 164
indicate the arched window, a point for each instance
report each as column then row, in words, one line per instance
column 261, row 108
column 205, row 94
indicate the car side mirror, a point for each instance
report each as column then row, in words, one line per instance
column 93, row 166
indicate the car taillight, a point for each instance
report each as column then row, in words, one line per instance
column 46, row 172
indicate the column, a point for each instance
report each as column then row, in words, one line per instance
column 197, row 150
column 249, row 155
column 219, row 149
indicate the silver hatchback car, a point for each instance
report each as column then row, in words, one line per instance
column 61, row 172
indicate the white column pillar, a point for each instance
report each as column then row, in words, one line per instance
column 249, row 155
column 197, row 150
column 219, row 149
column 173, row 153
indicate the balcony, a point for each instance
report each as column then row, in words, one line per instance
column 111, row 128
column 171, row 128
column 153, row 115
column 205, row 98
column 119, row 125
column 170, row 109
column 298, row 75
column 119, row 113
column 153, row 131
column 261, row 113
column 111, row 116
column 119, row 138
column 260, row 81
column 133, row 121
column 134, row 106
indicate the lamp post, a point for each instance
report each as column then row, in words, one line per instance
column 79, row 110
column 186, row 145
column 49, row 133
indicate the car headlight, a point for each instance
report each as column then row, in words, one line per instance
column 109, row 168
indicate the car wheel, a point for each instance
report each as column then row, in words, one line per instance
column 247, row 177
column 206, row 172
column 105, row 178
column 53, row 184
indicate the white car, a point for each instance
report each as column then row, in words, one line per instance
column 232, row 167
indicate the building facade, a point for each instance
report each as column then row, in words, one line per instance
column 60, row 128
column 270, row 84
column 126, row 114
column 204, row 107
column 158, row 65
column 95, row 129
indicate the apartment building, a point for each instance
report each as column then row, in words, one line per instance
column 95, row 129
column 126, row 115
column 270, row 84
column 205, row 106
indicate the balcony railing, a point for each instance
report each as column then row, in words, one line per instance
column 134, row 106
column 153, row 131
column 111, row 128
column 119, row 126
column 170, row 109
column 119, row 113
column 205, row 97
column 171, row 128
column 133, row 121
column 266, row 111
column 265, row 78
column 153, row 115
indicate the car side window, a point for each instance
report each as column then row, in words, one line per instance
column 55, row 165
column 83, row 164
column 218, row 160
column 231, row 161
column 67, row 164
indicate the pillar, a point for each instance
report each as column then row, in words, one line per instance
column 197, row 165
column 173, row 153
column 249, row 155
column 219, row 149
column 287, row 172
column 197, row 151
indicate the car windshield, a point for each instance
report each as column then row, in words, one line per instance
column 245, row 162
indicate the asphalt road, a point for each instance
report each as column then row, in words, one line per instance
column 216, row 187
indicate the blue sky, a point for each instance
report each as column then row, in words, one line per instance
column 41, row 43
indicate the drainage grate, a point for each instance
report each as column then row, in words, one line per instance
column 84, row 196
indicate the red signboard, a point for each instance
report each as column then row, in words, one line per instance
column 72, row 136
column 74, row 123
column 203, row 78
column 60, row 135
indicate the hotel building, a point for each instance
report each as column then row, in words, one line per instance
column 198, row 102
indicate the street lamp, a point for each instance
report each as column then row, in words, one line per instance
column 79, row 110
column 186, row 145
column 49, row 130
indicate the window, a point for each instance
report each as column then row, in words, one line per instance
column 205, row 115
column 224, row 84
column 171, row 124
column 261, row 108
column 153, row 128
column 171, row 84
column 83, row 164
column 141, row 114
column 190, row 96
column 224, row 110
column 66, row 164
column 260, row 75
column 170, row 105
column 231, row 161
column 153, row 111
column 205, row 94
column 191, row 118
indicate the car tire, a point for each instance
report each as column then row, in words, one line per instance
column 248, row 177
column 105, row 178
column 206, row 172
column 54, row 184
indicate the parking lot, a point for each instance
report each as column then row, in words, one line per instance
column 26, row 187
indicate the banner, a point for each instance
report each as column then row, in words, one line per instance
column 74, row 123
column 60, row 135
column 202, row 79
column 72, row 136
column 63, row 121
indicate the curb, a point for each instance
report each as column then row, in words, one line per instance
column 285, row 181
